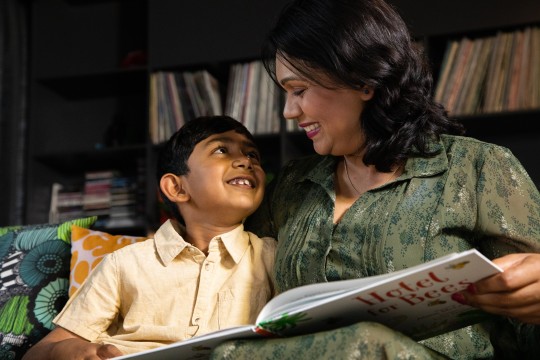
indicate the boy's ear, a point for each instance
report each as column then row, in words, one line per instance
column 171, row 186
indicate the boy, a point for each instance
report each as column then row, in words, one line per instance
column 201, row 272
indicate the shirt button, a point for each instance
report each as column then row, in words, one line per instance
column 196, row 320
column 207, row 266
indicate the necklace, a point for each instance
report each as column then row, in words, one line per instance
column 352, row 184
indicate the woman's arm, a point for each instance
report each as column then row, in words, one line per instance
column 509, row 215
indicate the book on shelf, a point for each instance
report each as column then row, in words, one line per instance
column 514, row 68
column 472, row 101
column 208, row 88
column 471, row 69
column 491, row 74
column 534, row 79
column 153, row 113
column 415, row 301
column 522, row 97
column 173, row 96
column 178, row 97
column 447, row 64
column 251, row 98
column 187, row 106
column 495, row 68
column 457, row 74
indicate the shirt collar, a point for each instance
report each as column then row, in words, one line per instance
column 170, row 243
column 323, row 173
column 236, row 242
column 427, row 166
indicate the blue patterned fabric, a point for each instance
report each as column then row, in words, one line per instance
column 34, row 282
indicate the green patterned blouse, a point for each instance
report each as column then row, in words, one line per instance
column 470, row 195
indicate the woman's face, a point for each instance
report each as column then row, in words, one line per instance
column 330, row 117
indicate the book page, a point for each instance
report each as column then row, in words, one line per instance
column 198, row 347
column 314, row 294
column 416, row 301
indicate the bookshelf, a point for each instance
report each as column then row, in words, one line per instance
column 436, row 24
column 92, row 64
column 91, row 84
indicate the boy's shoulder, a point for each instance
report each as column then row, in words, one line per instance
column 266, row 243
column 140, row 248
column 264, row 249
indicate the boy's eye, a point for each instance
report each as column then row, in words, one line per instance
column 253, row 155
column 220, row 150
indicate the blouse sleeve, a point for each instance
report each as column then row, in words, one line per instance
column 508, row 205
column 509, row 213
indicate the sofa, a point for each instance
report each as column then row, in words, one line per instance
column 40, row 267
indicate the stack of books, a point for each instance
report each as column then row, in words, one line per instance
column 114, row 198
column 66, row 203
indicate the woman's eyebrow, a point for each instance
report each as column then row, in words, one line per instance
column 289, row 78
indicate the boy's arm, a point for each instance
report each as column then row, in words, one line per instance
column 62, row 344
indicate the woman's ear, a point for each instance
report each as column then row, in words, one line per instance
column 367, row 93
column 171, row 186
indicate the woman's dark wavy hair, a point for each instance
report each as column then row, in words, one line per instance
column 174, row 155
column 365, row 42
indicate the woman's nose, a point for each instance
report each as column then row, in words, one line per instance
column 291, row 110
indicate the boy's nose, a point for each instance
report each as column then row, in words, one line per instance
column 243, row 161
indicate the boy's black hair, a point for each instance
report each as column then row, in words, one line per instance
column 175, row 153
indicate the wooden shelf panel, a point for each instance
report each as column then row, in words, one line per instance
column 79, row 162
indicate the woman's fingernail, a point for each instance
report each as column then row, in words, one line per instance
column 471, row 289
column 458, row 297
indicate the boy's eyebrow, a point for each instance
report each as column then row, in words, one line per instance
column 229, row 140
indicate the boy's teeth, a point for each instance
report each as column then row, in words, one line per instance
column 241, row 182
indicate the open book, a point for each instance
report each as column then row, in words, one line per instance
column 415, row 301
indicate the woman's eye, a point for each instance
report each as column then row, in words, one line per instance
column 298, row 92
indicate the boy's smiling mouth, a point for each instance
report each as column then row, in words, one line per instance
column 242, row 181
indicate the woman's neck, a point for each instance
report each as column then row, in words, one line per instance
column 353, row 178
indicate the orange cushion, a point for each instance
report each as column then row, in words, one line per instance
column 88, row 247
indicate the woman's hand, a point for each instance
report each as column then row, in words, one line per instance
column 514, row 293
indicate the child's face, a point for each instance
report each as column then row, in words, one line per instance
column 225, row 176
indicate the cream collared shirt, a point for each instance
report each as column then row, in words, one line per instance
column 165, row 290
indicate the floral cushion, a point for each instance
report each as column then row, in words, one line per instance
column 34, row 280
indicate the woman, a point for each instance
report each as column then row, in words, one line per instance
column 392, row 184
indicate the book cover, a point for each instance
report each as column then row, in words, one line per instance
column 416, row 301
